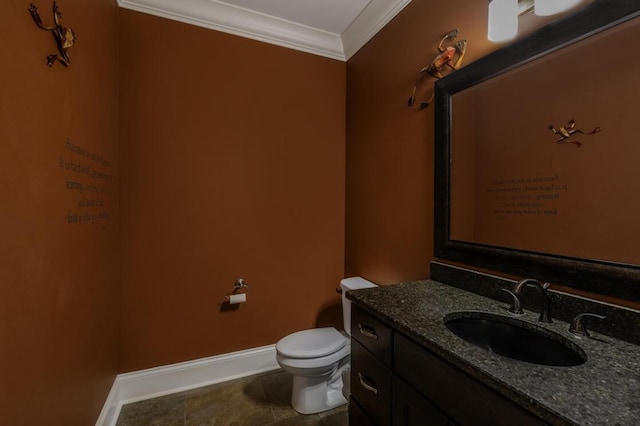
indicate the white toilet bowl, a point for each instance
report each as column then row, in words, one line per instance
column 317, row 359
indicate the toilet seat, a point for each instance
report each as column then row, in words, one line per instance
column 313, row 366
column 313, row 343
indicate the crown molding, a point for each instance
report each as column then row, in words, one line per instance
column 220, row 16
column 372, row 19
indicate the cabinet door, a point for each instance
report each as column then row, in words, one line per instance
column 370, row 385
column 409, row 408
column 459, row 395
column 357, row 417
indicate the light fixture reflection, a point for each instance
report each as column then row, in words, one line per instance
column 503, row 20
column 551, row 7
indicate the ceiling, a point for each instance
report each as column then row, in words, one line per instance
column 335, row 29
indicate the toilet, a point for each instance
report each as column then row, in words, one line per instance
column 317, row 359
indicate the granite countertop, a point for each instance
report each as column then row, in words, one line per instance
column 603, row 390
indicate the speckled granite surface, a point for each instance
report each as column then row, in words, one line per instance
column 621, row 323
column 603, row 391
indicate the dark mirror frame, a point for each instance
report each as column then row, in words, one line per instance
column 604, row 278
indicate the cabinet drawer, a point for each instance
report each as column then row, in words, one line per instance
column 372, row 333
column 370, row 384
column 462, row 397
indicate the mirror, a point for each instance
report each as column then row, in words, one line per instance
column 536, row 155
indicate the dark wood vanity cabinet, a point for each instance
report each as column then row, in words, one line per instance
column 396, row 382
column 465, row 400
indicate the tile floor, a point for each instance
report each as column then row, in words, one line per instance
column 252, row 401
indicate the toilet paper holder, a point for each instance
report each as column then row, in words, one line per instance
column 237, row 286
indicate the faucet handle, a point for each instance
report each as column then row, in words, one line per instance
column 536, row 283
column 577, row 325
column 516, row 303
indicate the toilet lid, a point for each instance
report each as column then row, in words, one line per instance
column 312, row 343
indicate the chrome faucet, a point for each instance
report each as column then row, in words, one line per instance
column 518, row 296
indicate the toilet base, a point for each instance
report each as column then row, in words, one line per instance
column 316, row 394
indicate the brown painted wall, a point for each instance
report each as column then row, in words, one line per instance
column 390, row 146
column 58, row 280
column 233, row 163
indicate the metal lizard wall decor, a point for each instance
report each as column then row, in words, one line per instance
column 437, row 66
column 64, row 36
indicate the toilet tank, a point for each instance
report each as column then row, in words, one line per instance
column 353, row 283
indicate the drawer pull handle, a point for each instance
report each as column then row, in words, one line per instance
column 367, row 331
column 367, row 386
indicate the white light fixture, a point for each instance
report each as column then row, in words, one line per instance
column 504, row 14
column 551, row 7
column 503, row 19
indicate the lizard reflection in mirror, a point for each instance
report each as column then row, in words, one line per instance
column 437, row 66
column 568, row 131
column 64, row 36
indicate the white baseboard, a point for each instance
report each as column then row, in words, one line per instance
column 158, row 381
